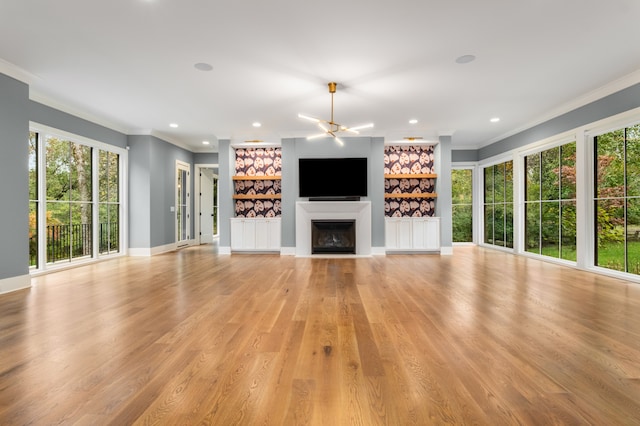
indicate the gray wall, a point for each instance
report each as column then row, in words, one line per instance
column 205, row 158
column 51, row 117
column 14, row 182
column 139, row 191
column 443, row 185
column 152, row 183
column 608, row 106
column 464, row 155
column 295, row 148
column 226, row 210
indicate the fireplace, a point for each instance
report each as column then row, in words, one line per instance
column 326, row 211
column 333, row 237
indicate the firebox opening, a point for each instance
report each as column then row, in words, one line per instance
column 333, row 237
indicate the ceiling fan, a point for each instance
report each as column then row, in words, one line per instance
column 330, row 127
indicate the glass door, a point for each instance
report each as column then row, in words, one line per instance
column 183, row 223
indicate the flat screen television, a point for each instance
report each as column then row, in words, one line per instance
column 332, row 177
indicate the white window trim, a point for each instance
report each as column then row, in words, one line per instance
column 585, row 231
column 44, row 131
column 473, row 166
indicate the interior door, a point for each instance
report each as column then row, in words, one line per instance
column 183, row 213
column 206, row 206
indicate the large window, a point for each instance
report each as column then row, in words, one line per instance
column 550, row 202
column 68, row 219
column 462, row 204
column 498, row 204
column 68, row 200
column 617, row 200
column 34, row 199
column 109, row 202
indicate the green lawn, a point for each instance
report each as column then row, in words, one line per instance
column 610, row 256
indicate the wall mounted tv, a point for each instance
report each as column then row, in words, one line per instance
column 332, row 178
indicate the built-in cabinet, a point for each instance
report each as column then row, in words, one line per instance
column 410, row 199
column 255, row 234
column 257, row 197
column 412, row 233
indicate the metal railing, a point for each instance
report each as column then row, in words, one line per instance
column 65, row 242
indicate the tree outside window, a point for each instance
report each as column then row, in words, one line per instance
column 462, row 204
column 617, row 200
column 550, row 202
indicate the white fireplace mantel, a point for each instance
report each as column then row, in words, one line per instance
column 306, row 211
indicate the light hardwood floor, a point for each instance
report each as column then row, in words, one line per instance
column 481, row 337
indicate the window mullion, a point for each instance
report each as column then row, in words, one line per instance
column 95, row 202
column 42, row 203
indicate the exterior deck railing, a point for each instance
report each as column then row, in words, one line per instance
column 73, row 241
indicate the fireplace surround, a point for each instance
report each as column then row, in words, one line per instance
column 360, row 211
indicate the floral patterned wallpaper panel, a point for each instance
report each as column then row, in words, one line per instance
column 258, row 162
column 409, row 160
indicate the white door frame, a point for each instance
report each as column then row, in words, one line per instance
column 197, row 207
column 180, row 165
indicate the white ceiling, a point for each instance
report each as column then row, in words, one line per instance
column 129, row 64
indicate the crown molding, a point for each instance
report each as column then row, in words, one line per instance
column 18, row 73
column 41, row 98
column 599, row 93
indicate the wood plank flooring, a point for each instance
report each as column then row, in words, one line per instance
column 482, row 337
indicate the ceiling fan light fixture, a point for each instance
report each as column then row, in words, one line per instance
column 362, row 127
column 306, row 117
column 316, row 136
column 330, row 127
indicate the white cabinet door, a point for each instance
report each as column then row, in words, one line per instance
column 432, row 233
column 255, row 234
column 237, row 234
column 418, row 233
column 398, row 233
column 261, row 234
column 426, row 233
column 249, row 234
column 273, row 229
column 405, row 237
column 408, row 233
column 391, row 233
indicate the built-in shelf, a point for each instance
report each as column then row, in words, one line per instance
column 257, row 196
column 412, row 195
column 256, row 177
column 412, row 176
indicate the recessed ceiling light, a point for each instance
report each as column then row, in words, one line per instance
column 257, row 124
column 203, row 66
column 205, row 142
column 495, row 119
column 465, row 59
column 413, row 121
column 174, row 125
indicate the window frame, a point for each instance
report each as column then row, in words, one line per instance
column 43, row 132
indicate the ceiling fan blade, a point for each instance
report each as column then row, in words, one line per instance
column 306, row 117
column 316, row 136
column 356, row 128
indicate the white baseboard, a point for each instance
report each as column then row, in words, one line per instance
column 287, row 251
column 224, row 250
column 146, row 252
column 446, row 251
column 139, row 252
column 8, row 285
column 378, row 251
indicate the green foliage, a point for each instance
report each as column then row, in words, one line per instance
column 69, row 198
column 498, row 211
column 462, row 198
